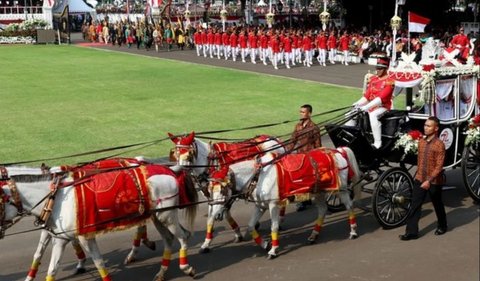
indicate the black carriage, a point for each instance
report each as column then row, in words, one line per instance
column 448, row 92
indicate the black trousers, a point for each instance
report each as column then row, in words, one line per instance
column 418, row 197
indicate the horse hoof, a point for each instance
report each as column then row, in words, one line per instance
column 311, row 241
column 129, row 260
column 271, row 257
column 150, row 244
column 353, row 236
column 204, row 250
column 192, row 273
column 257, row 226
column 238, row 239
column 81, row 270
column 267, row 246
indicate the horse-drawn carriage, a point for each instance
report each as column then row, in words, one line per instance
column 446, row 91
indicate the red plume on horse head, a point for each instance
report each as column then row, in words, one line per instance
column 188, row 140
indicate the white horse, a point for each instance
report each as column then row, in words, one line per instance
column 163, row 192
column 204, row 157
column 46, row 237
column 267, row 191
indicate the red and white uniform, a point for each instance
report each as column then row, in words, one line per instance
column 197, row 38
column 344, row 42
column 253, row 43
column 287, row 49
column 233, row 45
column 461, row 42
column 226, row 45
column 204, row 43
column 211, row 43
column 218, row 43
column 264, row 48
column 322, row 48
column 307, row 50
column 242, row 40
column 376, row 100
column 332, row 47
column 275, row 44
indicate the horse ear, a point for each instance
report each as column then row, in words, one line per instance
column 173, row 138
column 189, row 138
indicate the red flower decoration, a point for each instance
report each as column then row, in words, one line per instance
column 428, row 67
column 415, row 134
column 476, row 120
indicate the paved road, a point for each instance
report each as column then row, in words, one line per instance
column 376, row 255
column 350, row 76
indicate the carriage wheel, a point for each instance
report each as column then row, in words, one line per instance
column 471, row 170
column 392, row 197
column 333, row 201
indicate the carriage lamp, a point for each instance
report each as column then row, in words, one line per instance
column 223, row 15
column 395, row 22
column 269, row 17
column 324, row 17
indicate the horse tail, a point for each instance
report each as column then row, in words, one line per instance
column 192, row 195
column 352, row 164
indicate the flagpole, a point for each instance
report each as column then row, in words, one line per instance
column 394, row 31
column 408, row 43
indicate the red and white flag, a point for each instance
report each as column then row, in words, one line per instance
column 417, row 23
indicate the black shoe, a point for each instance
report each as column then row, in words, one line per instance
column 408, row 236
column 440, row 231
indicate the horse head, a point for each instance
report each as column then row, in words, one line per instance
column 219, row 192
column 185, row 150
column 10, row 204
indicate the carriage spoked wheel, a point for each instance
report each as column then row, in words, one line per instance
column 471, row 170
column 334, row 204
column 392, row 197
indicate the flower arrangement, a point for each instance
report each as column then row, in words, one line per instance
column 473, row 132
column 409, row 142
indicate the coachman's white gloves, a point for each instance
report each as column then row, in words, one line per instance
column 374, row 103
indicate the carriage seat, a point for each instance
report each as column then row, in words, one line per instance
column 391, row 121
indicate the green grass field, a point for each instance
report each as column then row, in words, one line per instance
column 61, row 100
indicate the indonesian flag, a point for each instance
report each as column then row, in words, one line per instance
column 417, row 23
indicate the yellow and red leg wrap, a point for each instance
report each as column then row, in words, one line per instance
column 34, row 269
column 351, row 218
column 167, row 256
column 318, row 225
column 104, row 274
column 210, row 231
column 275, row 239
column 256, row 237
column 183, row 257
column 233, row 224
column 49, row 278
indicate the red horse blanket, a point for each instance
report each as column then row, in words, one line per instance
column 307, row 173
column 229, row 153
column 113, row 194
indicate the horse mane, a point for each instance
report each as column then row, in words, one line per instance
column 30, row 178
column 192, row 195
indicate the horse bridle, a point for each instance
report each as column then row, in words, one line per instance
column 13, row 199
column 202, row 179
